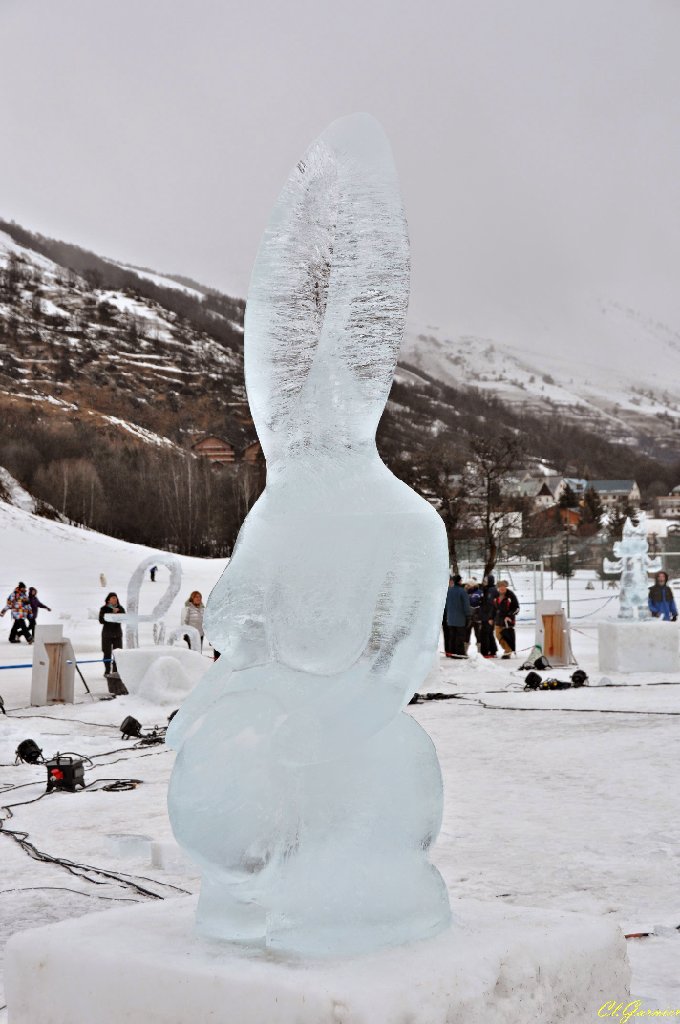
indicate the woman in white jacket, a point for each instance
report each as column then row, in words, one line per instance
column 192, row 614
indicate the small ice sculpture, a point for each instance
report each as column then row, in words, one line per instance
column 635, row 565
column 306, row 794
column 132, row 618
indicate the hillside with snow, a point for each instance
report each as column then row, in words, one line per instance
column 109, row 374
column 627, row 387
column 130, row 354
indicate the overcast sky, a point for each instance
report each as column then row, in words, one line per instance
column 537, row 141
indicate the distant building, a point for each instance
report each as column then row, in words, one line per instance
column 543, row 491
column 545, row 497
column 509, row 524
column 566, row 517
column 252, row 453
column 215, row 449
column 668, row 507
column 611, row 492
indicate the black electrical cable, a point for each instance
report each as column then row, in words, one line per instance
column 67, row 721
column 579, row 711
column 116, row 785
column 65, row 888
column 81, row 870
column 74, row 867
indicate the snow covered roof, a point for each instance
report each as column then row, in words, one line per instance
column 610, row 486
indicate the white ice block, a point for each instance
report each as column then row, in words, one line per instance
column 162, row 675
column 646, row 646
column 496, row 964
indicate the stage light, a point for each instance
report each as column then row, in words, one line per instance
column 29, row 752
column 130, row 727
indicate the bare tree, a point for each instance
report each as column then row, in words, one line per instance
column 442, row 482
column 73, row 486
column 490, row 462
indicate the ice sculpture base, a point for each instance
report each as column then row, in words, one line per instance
column 497, row 963
column 649, row 646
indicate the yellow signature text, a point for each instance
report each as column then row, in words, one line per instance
column 627, row 1011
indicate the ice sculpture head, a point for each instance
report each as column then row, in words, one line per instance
column 325, row 317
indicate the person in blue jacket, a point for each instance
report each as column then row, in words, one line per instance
column 661, row 601
column 458, row 612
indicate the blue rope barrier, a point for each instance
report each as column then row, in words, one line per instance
column 89, row 661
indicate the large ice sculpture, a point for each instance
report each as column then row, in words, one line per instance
column 635, row 565
column 301, row 788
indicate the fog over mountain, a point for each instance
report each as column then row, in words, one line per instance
column 537, row 143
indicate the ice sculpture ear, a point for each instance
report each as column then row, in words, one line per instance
column 328, row 297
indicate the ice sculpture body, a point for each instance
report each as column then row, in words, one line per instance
column 305, row 793
column 635, row 565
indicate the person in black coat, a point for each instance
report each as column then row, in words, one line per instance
column 474, row 592
column 487, row 608
column 446, row 629
column 458, row 613
column 507, row 606
column 112, row 632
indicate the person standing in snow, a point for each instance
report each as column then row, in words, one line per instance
column 152, row 573
column 489, row 647
column 19, row 608
column 507, row 606
column 192, row 614
column 458, row 612
column 112, row 632
column 446, row 629
column 35, row 603
column 661, row 601
column 474, row 592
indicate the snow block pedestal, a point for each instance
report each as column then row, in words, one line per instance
column 649, row 646
column 145, row 964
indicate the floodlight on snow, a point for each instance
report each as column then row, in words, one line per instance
column 130, row 727
column 29, row 752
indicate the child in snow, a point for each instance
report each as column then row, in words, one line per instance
column 35, row 603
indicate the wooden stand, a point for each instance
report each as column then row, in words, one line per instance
column 53, row 676
column 552, row 633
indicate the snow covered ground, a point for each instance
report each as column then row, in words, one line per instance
column 566, row 800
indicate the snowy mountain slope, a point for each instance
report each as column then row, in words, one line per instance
column 13, row 495
column 18, row 496
column 627, row 387
column 72, row 340
column 128, row 357
column 65, row 563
